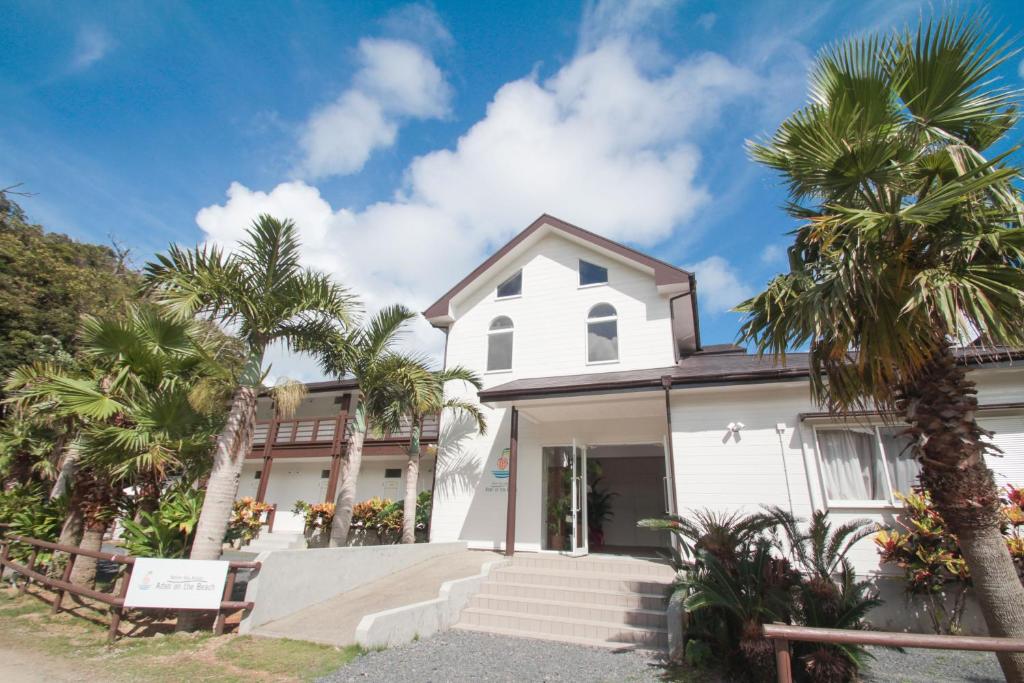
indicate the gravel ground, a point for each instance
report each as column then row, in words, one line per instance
column 456, row 656
column 926, row 666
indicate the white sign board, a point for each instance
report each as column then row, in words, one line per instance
column 178, row 584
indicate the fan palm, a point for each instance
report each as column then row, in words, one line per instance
column 263, row 295
column 911, row 238
column 415, row 393
column 367, row 354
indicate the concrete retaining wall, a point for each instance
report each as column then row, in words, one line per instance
column 291, row 580
column 404, row 624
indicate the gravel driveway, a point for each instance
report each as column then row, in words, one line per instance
column 926, row 666
column 458, row 656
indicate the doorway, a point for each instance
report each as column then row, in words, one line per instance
column 593, row 497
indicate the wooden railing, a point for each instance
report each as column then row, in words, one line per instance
column 30, row 572
column 320, row 430
column 781, row 634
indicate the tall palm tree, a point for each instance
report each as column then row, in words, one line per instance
column 263, row 295
column 417, row 392
column 910, row 239
column 367, row 354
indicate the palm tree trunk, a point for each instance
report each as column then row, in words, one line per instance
column 940, row 408
column 83, row 573
column 70, row 534
column 346, row 497
column 412, row 479
column 222, row 486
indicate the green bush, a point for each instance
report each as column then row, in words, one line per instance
column 167, row 531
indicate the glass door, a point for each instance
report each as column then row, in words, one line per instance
column 565, row 499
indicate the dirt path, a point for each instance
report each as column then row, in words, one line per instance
column 22, row 666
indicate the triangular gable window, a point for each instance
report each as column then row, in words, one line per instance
column 511, row 287
column 591, row 274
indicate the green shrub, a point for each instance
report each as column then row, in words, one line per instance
column 167, row 531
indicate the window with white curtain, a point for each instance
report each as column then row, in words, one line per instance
column 499, row 344
column 866, row 463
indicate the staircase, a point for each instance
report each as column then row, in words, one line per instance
column 610, row 602
column 278, row 540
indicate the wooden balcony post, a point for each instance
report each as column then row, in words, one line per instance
column 782, row 660
column 339, row 436
column 268, row 459
column 513, row 452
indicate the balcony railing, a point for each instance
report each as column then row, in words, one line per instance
column 320, row 430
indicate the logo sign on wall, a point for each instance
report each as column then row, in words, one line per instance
column 499, row 481
column 180, row 584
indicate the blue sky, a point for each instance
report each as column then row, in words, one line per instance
column 410, row 140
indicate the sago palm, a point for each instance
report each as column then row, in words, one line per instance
column 910, row 241
column 262, row 294
column 417, row 392
column 367, row 354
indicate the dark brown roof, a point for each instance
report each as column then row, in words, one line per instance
column 697, row 369
column 330, row 385
column 664, row 273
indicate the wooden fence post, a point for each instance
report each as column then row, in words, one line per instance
column 65, row 577
column 782, row 660
column 229, row 587
column 118, row 610
column 31, row 566
column 4, row 555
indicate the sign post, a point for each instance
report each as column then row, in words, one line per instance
column 176, row 584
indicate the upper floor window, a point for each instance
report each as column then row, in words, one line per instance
column 866, row 463
column 602, row 334
column 512, row 286
column 591, row 274
column 499, row 344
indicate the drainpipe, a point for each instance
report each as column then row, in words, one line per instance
column 666, row 384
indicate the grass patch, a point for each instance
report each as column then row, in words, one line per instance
column 80, row 646
column 281, row 656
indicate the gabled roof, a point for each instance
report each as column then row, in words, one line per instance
column 665, row 274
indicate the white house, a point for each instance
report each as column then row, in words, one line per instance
column 593, row 367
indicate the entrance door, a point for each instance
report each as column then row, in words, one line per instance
column 565, row 499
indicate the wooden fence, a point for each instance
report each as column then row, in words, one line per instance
column 30, row 572
column 781, row 634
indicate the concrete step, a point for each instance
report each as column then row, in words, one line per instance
column 584, row 596
column 512, row 633
column 277, row 541
column 562, row 627
column 604, row 581
column 618, row 566
column 643, row 618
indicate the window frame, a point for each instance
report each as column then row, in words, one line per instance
column 889, row 502
column 498, row 297
column 487, row 351
column 586, row 334
column 579, row 274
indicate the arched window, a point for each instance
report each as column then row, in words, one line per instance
column 602, row 334
column 499, row 344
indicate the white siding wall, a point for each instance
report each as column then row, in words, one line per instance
column 715, row 469
column 550, row 339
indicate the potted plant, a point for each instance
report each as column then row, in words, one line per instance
column 599, row 511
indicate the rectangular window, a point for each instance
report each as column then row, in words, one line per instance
column 257, row 474
column 866, row 463
column 393, row 473
column 325, row 474
column 602, row 341
column 511, row 287
column 499, row 351
column 591, row 274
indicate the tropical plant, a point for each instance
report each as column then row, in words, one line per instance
column 911, row 236
column 929, row 554
column 167, row 531
column 415, row 392
column 750, row 569
column 317, row 516
column 262, row 294
column 367, row 354
column 246, row 520
column 599, row 509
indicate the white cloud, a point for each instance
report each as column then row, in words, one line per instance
column 396, row 81
column 92, row 44
column 707, row 20
column 602, row 143
column 773, row 254
column 608, row 20
column 719, row 286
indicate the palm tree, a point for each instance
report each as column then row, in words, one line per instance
column 261, row 294
column 367, row 354
column 418, row 392
column 910, row 238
